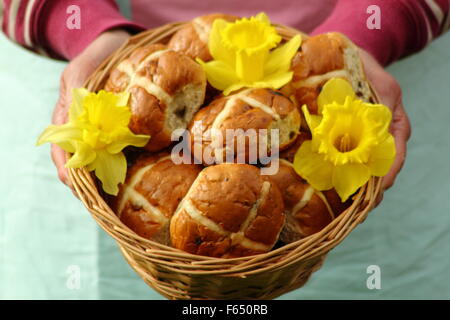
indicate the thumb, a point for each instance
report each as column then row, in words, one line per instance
column 74, row 76
column 69, row 80
column 401, row 130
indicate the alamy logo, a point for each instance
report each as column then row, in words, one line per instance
column 73, row 281
column 374, row 20
column 374, row 280
column 73, row 21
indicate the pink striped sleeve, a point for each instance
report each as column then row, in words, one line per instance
column 18, row 20
column 436, row 13
column 406, row 26
column 41, row 25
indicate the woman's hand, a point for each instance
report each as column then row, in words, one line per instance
column 390, row 94
column 74, row 76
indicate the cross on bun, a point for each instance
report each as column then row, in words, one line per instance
column 152, row 191
column 166, row 87
column 321, row 58
column 192, row 39
column 307, row 210
column 231, row 210
column 249, row 109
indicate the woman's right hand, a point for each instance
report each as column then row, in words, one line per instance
column 74, row 76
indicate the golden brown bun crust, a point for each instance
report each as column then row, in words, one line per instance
column 234, row 112
column 321, row 58
column 307, row 210
column 148, row 118
column 171, row 72
column 163, row 185
column 119, row 80
column 231, row 210
column 190, row 39
column 318, row 55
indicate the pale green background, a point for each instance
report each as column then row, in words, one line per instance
column 44, row 229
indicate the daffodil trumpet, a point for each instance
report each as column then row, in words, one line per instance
column 96, row 134
column 350, row 141
column 245, row 54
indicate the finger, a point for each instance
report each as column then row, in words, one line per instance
column 401, row 126
column 74, row 76
column 385, row 86
column 60, row 113
column 59, row 159
column 60, row 116
column 379, row 198
column 401, row 130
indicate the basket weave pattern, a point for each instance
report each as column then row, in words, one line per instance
column 179, row 275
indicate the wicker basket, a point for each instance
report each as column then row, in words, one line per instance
column 179, row 275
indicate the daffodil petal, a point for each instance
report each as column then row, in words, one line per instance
column 382, row 157
column 122, row 98
column 312, row 120
column 348, row 178
column 274, row 81
column 82, row 156
column 262, row 16
column 233, row 87
column 215, row 45
column 219, row 74
column 91, row 166
column 280, row 58
column 312, row 167
column 63, row 135
column 102, row 110
column 128, row 139
column 380, row 117
column 385, row 150
column 111, row 170
column 380, row 167
column 76, row 107
column 334, row 90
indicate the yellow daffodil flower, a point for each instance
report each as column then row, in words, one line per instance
column 95, row 135
column 242, row 55
column 350, row 141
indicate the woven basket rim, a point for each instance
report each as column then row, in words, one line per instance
column 314, row 245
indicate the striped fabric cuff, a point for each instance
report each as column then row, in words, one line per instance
column 40, row 25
